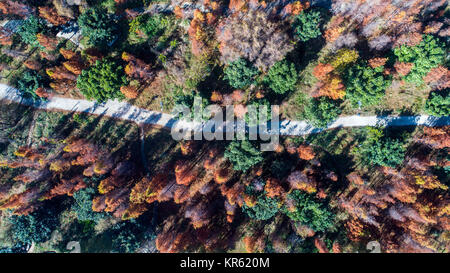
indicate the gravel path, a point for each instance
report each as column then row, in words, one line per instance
column 126, row 111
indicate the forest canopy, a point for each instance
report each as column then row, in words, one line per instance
column 360, row 90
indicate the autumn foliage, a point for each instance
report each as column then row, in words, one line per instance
column 306, row 152
column 5, row 37
column 33, row 64
column 14, row 8
column 137, row 68
column 403, row 69
column 49, row 43
column 51, row 15
column 330, row 84
column 318, row 192
column 130, row 92
column 400, row 209
column 438, row 77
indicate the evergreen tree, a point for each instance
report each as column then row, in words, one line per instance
column 307, row 25
column 281, row 77
column 100, row 27
column 35, row 227
column 102, row 81
column 264, row 208
column 28, row 83
column 381, row 150
column 83, row 205
column 29, row 29
column 240, row 73
column 309, row 211
column 438, row 104
column 365, row 85
column 321, row 111
column 425, row 56
column 243, row 155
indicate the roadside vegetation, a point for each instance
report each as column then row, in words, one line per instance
column 116, row 186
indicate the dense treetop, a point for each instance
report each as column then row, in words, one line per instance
column 117, row 186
